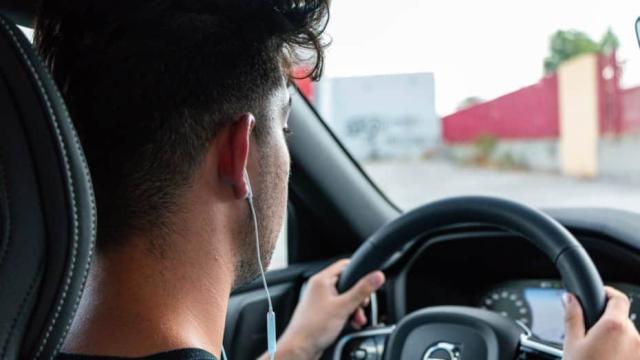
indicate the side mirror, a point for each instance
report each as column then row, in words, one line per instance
column 638, row 29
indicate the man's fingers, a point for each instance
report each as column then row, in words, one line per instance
column 616, row 314
column 618, row 304
column 359, row 319
column 573, row 319
column 331, row 273
column 353, row 298
column 336, row 268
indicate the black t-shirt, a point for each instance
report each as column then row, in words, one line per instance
column 182, row 354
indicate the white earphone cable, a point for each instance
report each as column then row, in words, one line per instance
column 271, row 316
column 255, row 225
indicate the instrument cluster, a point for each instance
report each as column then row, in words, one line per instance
column 537, row 304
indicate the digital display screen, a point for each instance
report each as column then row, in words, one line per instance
column 547, row 313
column 537, row 304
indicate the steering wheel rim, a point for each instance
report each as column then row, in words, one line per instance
column 576, row 269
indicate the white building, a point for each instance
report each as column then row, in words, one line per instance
column 382, row 116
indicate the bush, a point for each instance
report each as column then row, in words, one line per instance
column 484, row 148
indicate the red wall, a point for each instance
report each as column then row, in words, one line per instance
column 631, row 110
column 619, row 108
column 529, row 113
column 609, row 94
column 305, row 84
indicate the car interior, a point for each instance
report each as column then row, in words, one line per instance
column 464, row 274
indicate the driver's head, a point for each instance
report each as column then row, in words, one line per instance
column 172, row 100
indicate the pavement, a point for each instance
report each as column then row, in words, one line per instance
column 412, row 183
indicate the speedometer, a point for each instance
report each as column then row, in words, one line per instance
column 508, row 303
column 537, row 304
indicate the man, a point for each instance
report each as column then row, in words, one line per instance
column 174, row 101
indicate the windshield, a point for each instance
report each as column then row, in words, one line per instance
column 534, row 101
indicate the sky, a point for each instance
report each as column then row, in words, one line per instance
column 474, row 48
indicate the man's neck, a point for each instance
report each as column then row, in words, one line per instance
column 137, row 303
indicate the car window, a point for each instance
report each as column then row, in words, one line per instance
column 535, row 101
column 280, row 258
column 27, row 32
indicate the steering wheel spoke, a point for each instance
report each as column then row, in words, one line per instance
column 531, row 348
column 366, row 344
column 369, row 344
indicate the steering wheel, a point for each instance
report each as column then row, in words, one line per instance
column 457, row 332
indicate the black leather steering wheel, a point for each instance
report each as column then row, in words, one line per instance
column 499, row 337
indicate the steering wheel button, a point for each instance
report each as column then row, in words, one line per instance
column 359, row 354
column 440, row 355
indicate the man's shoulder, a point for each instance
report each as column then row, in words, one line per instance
column 181, row 354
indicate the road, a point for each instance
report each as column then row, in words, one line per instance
column 412, row 183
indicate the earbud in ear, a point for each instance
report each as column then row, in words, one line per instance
column 247, row 184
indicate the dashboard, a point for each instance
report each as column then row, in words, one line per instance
column 484, row 267
column 489, row 268
column 537, row 304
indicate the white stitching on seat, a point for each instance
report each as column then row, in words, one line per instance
column 67, row 276
column 85, row 169
column 87, row 174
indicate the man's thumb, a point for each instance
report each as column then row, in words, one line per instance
column 362, row 289
column 573, row 319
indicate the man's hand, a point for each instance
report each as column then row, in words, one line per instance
column 322, row 313
column 613, row 337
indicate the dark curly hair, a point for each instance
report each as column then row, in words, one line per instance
column 149, row 83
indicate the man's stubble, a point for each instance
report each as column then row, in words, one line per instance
column 269, row 200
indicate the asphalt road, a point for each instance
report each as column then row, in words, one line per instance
column 412, row 183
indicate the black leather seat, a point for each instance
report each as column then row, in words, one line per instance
column 47, row 210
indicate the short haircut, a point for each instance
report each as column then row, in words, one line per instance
column 149, row 83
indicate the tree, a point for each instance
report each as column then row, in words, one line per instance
column 567, row 44
column 469, row 102
column 609, row 42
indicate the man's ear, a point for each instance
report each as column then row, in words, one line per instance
column 233, row 153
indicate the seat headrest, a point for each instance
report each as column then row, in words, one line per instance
column 47, row 209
